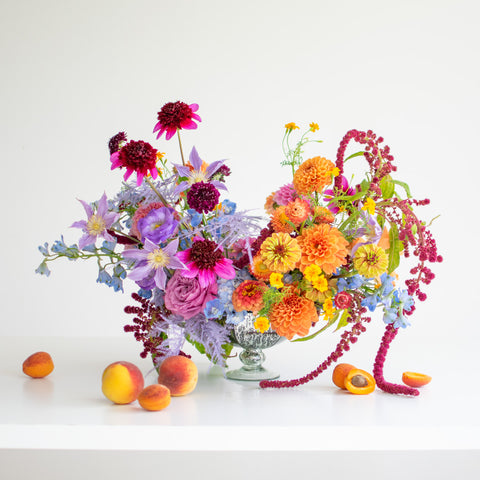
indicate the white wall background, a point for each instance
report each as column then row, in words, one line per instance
column 75, row 73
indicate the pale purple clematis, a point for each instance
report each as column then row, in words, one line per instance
column 97, row 223
column 152, row 259
column 371, row 233
column 197, row 174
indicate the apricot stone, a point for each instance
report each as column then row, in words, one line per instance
column 179, row 374
column 38, row 365
column 122, row 382
column 154, row 397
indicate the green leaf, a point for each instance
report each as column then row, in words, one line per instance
column 387, row 187
column 404, row 186
column 396, row 246
column 354, row 155
column 342, row 322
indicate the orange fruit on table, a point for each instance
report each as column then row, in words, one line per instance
column 38, row 365
column 414, row 379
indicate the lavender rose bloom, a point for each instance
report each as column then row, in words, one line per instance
column 158, row 225
column 184, row 296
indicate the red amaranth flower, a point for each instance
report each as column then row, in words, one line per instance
column 136, row 156
column 175, row 116
column 203, row 197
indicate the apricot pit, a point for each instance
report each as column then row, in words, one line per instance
column 359, row 382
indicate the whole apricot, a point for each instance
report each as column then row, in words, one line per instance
column 340, row 373
column 415, row 380
column 122, row 382
column 38, row 365
column 179, row 374
column 154, row 397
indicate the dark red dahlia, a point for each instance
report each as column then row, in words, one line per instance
column 175, row 116
column 136, row 156
column 203, row 197
column 116, row 142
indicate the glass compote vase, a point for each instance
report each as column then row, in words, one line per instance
column 253, row 342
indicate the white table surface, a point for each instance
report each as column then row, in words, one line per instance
column 67, row 414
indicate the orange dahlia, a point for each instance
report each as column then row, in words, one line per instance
column 280, row 252
column 297, row 211
column 258, row 269
column 323, row 215
column 280, row 221
column 323, row 245
column 293, row 315
column 249, row 296
column 313, row 175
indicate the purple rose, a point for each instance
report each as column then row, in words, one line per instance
column 184, row 296
column 158, row 225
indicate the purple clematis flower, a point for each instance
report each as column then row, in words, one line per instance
column 372, row 232
column 97, row 223
column 158, row 225
column 197, row 174
column 329, row 194
column 152, row 259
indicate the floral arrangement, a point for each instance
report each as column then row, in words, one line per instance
column 325, row 256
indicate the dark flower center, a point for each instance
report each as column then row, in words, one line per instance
column 174, row 113
column 205, row 254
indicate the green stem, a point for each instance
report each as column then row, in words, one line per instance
column 180, row 145
column 160, row 196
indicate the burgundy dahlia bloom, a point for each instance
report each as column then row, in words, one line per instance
column 138, row 157
column 117, row 142
column 175, row 116
column 203, row 197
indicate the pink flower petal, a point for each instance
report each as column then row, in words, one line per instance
column 225, row 269
column 170, row 133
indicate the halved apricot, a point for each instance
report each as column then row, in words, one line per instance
column 359, row 382
column 340, row 374
column 414, row 379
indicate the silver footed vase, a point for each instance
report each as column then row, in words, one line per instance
column 253, row 343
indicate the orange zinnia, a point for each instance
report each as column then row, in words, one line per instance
column 249, row 296
column 324, row 246
column 258, row 269
column 313, row 175
column 293, row 315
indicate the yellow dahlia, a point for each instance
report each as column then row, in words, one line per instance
column 324, row 246
column 280, row 221
column 370, row 260
column 293, row 315
column 280, row 252
column 313, row 175
column 297, row 211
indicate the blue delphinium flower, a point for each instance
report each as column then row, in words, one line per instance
column 371, row 302
column 43, row 269
column 401, row 302
column 214, row 309
column 229, row 207
column 195, row 218
column 104, row 277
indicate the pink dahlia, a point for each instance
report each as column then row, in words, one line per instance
column 138, row 157
column 175, row 116
column 284, row 195
column 205, row 260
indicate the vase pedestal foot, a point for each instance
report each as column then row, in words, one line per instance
column 252, row 359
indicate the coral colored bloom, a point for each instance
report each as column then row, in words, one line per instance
column 205, row 260
column 293, row 315
column 280, row 221
column 298, row 211
column 261, row 324
column 152, row 260
column 139, row 157
column 370, row 260
column 249, row 296
column 313, row 175
column 276, row 280
column 175, row 116
column 314, row 127
column 97, row 223
column 269, row 204
column 323, row 245
column 280, row 252
column 323, row 215
column 291, row 126
column 258, row 269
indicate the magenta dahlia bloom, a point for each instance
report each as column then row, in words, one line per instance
column 195, row 173
column 152, row 260
column 97, row 223
column 330, row 194
column 205, row 260
column 136, row 156
column 175, row 116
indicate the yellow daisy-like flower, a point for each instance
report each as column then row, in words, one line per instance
column 370, row 260
column 280, row 252
column 261, row 324
column 335, row 171
column 320, row 283
column 328, row 308
column 369, row 206
column 291, row 126
column 276, row 280
column 314, row 127
column 312, row 271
